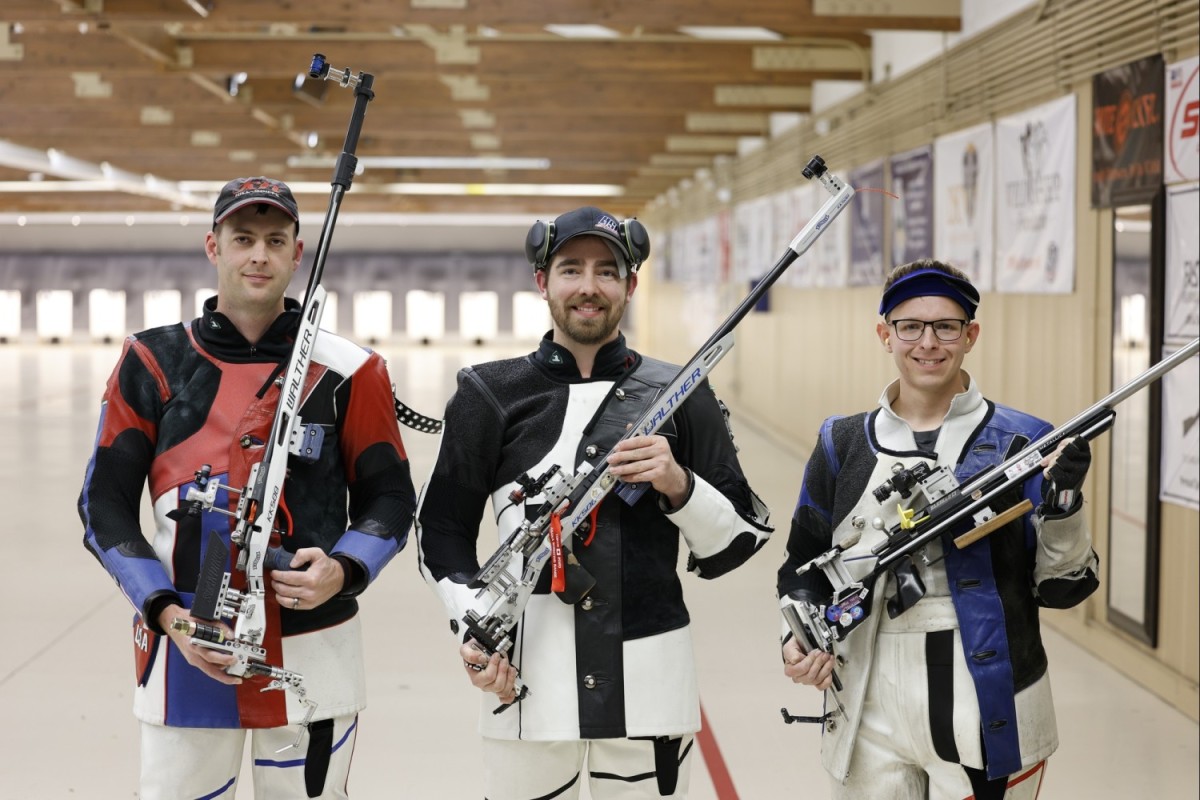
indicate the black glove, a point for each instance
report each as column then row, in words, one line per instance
column 1064, row 479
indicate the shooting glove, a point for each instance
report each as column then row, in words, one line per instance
column 1060, row 489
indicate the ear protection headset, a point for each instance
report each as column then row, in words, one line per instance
column 634, row 241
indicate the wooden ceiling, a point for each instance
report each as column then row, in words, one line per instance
column 142, row 86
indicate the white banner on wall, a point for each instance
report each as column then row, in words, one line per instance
column 1180, row 465
column 1181, row 123
column 964, row 169
column 698, row 253
column 831, row 252
column 789, row 216
column 752, row 243
column 1181, row 303
column 1035, row 199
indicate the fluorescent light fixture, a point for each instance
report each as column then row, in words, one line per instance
column 365, row 219
column 730, row 33
column 84, row 176
column 507, row 189
column 195, row 191
column 70, row 167
column 425, row 162
column 452, row 162
column 583, row 31
column 24, row 158
column 201, row 8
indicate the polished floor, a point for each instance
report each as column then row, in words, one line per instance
column 66, row 673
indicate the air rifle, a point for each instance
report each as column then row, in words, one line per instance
column 949, row 506
column 259, row 501
column 568, row 501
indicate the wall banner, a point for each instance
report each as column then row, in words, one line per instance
column 1127, row 138
column 1181, row 292
column 754, row 239
column 1182, row 122
column 1180, row 464
column 791, row 212
column 964, row 170
column 912, row 214
column 831, row 253
column 1035, row 199
column 866, row 226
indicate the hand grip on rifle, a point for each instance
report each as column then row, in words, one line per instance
column 804, row 640
column 1065, row 476
column 280, row 559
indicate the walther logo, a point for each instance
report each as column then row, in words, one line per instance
column 301, row 366
column 672, row 401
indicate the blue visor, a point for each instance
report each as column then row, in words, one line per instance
column 930, row 283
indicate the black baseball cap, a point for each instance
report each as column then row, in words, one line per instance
column 242, row 192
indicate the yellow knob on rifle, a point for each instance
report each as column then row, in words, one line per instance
column 906, row 518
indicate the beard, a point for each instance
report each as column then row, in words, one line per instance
column 595, row 330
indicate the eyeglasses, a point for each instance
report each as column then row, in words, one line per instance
column 911, row 330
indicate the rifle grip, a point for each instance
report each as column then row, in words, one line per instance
column 280, row 559
column 630, row 492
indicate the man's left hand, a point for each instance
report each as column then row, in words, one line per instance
column 1065, row 470
column 306, row 589
column 648, row 459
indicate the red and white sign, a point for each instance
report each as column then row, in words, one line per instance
column 1182, row 128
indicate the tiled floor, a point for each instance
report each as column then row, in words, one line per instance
column 66, row 674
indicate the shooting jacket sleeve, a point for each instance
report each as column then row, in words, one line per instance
column 811, row 531
column 1065, row 565
column 455, row 496
column 722, row 521
column 110, row 499
column 381, row 494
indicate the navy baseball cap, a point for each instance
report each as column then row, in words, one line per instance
column 588, row 220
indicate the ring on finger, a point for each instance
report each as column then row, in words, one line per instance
column 295, row 603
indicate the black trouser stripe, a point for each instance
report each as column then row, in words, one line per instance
column 557, row 792
column 984, row 789
column 610, row 776
column 939, row 667
column 316, row 763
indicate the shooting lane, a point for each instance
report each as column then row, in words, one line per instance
column 956, row 120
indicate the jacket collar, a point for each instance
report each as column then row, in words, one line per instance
column 220, row 338
column 612, row 360
column 966, row 410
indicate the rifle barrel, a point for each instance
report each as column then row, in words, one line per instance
column 1068, row 428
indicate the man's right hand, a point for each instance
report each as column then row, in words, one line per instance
column 492, row 674
column 811, row 669
column 211, row 662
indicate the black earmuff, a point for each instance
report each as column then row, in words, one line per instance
column 635, row 241
column 538, row 242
